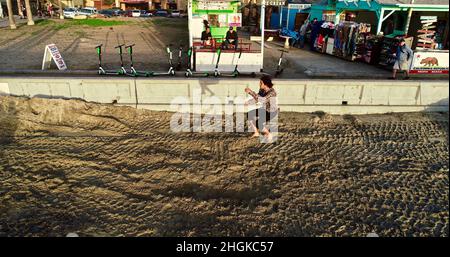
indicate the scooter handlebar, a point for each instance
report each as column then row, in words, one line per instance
column 128, row 46
column 97, row 46
column 119, row 46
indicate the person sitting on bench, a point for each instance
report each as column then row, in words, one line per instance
column 207, row 39
column 231, row 38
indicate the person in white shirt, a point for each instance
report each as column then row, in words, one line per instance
column 302, row 33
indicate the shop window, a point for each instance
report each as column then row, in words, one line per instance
column 328, row 16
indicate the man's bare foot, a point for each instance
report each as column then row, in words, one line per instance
column 269, row 137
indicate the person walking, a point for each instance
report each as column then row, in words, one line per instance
column 315, row 28
column 403, row 56
column 50, row 10
column 302, row 34
column 267, row 97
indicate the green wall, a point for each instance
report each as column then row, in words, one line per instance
column 217, row 32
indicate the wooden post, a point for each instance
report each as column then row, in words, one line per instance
column 29, row 13
column 263, row 19
column 1, row 11
column 380, row 21
column 191, row 43
column 12, row 22
column 408, row 20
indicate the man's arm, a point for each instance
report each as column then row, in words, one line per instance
column 410, row 53
column 254, row 96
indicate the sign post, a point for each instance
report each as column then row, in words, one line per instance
column 52, row 52
column 263, row 16
column 1, row 11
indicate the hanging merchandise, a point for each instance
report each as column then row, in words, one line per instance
column 388, row 51
column 345, row 36
column 362, row 37
column 326, row 31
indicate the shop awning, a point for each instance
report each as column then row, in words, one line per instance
column 434, row 5
column 307, row 10
column 400, row 5
column 427, row 2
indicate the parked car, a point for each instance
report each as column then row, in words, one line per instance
column 70, row 12
column 87, row 11
column 175, row 14
column 127, row 13
column 146, row 14
column 136, row 13
column 161, row 13
column 116, row 11
column 106, row 12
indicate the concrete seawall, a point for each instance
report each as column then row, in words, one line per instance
column 330, row 96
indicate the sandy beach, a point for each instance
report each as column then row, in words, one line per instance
column 104, row 170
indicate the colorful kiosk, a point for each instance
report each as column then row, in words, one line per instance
column 289, row 17
column 424, row 22
column 220, row 15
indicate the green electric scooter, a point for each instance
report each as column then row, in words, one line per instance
column 235, row 72
column 180, row 56
column 102, row 71
column 171, row 71
column 189, row 72
column 279, row 69
column 133, row 71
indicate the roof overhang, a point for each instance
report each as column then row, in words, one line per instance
column 417, row 7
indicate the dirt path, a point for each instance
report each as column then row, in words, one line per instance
column 23, row 49
column 70, row 166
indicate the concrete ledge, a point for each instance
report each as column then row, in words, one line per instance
column 331, row 96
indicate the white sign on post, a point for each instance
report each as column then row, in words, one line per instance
column 52, row 52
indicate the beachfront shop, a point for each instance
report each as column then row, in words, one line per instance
column 369, row 31
column 220, row 15
column 291, row 15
